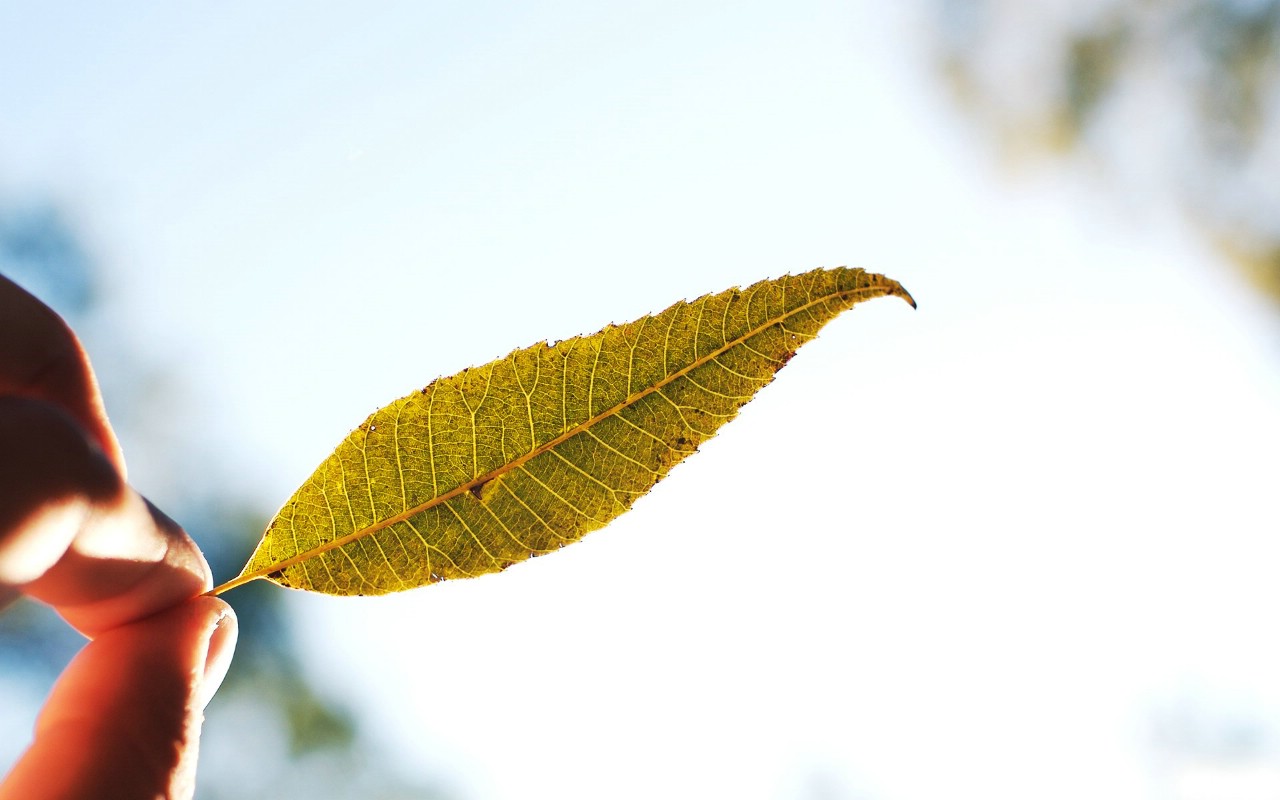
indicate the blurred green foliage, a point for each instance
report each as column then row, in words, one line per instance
column 1177, row 97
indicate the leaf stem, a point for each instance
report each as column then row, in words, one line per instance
column 239, row 580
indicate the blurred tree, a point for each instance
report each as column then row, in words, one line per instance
column 269, row 733
column 38, row 244
column 1177, row 97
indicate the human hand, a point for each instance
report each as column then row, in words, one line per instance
column 123, row 720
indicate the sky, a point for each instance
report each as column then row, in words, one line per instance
column 1019, row 541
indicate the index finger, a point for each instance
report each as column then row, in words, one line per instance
column 74, row 535
column 40, row 358
column 72, row 532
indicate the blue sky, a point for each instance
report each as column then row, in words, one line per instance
column 984, row 545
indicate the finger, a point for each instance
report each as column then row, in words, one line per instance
column 74, row 535
column 124, row 719
column 41, row 358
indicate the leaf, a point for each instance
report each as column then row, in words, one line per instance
column 522, row 456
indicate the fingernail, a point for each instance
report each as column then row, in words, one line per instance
column 222, row 644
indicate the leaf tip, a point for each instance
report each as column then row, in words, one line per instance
column 900, row 291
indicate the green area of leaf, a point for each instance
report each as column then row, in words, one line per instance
column 524, row 455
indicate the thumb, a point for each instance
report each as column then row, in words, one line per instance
column 124, row 719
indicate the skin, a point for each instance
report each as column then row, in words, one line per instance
column 123, row 720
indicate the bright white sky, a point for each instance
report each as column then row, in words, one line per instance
column 987, row 549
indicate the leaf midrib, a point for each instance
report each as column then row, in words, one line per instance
column 551, row 444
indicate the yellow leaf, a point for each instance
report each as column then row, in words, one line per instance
column 522, row 456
